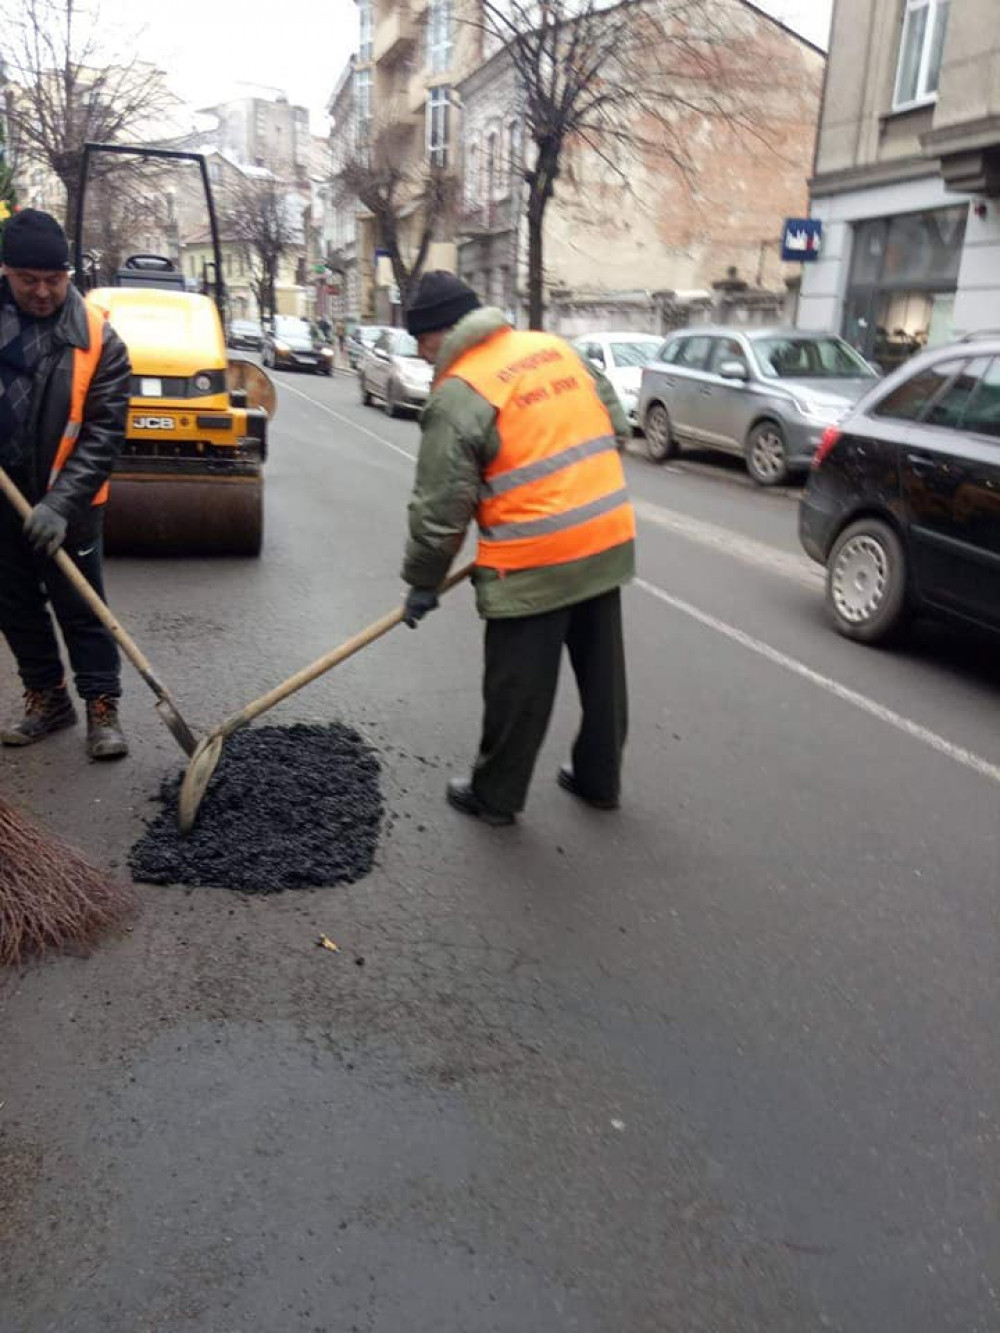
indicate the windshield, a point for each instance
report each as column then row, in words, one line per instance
column 407, row 346
column 792, row 358
column 634, row 353
column 288, row 326
column 369, row 335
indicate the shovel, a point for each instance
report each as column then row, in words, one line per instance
column 165, row 705
column 206, row 757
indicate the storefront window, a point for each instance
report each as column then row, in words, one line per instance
column 903, row 277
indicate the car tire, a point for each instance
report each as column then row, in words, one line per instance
column 366, row 398
column 660, row 442
column 767, row 454
column 391, row 405
column 866, row 582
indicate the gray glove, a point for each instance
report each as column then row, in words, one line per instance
column 45, row 529
column 418, row 602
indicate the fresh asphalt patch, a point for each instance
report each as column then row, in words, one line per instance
column 288, row 808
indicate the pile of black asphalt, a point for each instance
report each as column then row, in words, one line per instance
column 288, row 808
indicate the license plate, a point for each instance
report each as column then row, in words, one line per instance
column 150, row 388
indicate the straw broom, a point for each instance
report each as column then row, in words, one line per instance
column 50, row 897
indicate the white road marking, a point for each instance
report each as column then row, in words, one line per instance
column 290, row 388
column 752, row 552
column 906, row 725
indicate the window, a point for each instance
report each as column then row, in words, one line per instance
column 692, row 353
column 949, row 409
column 439, row 36
column 911, row 400
column 491, row 167
column 438, row 103
column 366, row 19
column 631, row 354
column 983, row 414
column 363, row 102
column 727, row 349
column 924, row 24
column 472, row 185
column 809, row 358
column 512, row 151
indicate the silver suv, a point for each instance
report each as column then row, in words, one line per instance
column 764, row 394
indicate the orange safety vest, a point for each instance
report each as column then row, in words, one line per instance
column 555, row 491
column 85, row 361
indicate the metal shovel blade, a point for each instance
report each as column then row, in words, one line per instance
column 204, row 762
column 177, row 727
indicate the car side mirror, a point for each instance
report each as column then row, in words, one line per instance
column 733, row 370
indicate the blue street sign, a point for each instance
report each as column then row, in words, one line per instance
column 801, row 240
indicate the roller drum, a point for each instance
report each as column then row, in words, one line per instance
column 185, row 516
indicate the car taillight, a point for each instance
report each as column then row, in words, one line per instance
column 826, row 442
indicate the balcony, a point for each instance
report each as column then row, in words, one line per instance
column 416, row 93
column 395, row 35
column 485, row 219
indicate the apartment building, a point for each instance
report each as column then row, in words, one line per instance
column 411, row 56
column 639, row 243
column 907, row 176
column 259, row 132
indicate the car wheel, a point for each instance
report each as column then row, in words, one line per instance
column 866, row 582
column 391, row 405
column 366, row 398
column 660, row 442
column 767, row 454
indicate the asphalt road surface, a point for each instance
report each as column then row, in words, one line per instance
column 724, row 1061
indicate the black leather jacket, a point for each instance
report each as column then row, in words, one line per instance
column 104, row 418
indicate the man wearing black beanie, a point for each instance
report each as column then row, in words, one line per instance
column 64, row 390
column 524, row 436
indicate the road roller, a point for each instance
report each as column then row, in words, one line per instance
column 190, row 479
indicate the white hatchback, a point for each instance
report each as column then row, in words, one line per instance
column 621, row 357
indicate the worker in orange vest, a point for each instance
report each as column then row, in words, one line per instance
column 524, row 436
column 64, row 392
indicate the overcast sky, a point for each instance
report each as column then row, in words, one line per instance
column 216, row 49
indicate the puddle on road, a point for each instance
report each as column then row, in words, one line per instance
column 288, row 808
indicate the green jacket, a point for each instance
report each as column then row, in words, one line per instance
column 458, row 442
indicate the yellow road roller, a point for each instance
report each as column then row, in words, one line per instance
column 189, row 480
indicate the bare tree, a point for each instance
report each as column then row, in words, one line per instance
column 637, row 77
column 257, row 212
column 382, row 177
column 68, row 85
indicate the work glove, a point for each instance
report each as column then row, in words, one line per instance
column 418, row 602
column 45, row 529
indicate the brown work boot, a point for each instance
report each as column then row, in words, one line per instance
column 105, row 738
column 45, row 711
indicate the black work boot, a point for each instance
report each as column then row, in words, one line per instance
column 45, row 711
column 105, row 738
column 462, row 797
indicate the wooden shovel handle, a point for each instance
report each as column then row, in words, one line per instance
column 331, row 659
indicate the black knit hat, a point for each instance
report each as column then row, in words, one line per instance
column 441, row 301
column 32, row 239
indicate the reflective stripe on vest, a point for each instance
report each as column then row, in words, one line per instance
column 556, row 490
column 85, row 362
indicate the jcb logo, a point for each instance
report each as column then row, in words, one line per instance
column 153, row 423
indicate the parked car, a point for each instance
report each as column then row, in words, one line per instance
column 764, row 394
column 293, row 343
column 360, row 339
column 245, row 333
column 393, row 372
column 903, row 500
column 621, row 356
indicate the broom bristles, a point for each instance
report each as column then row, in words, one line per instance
column 50, row 896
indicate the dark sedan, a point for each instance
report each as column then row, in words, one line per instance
column 295, row 344
column 903, row 500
